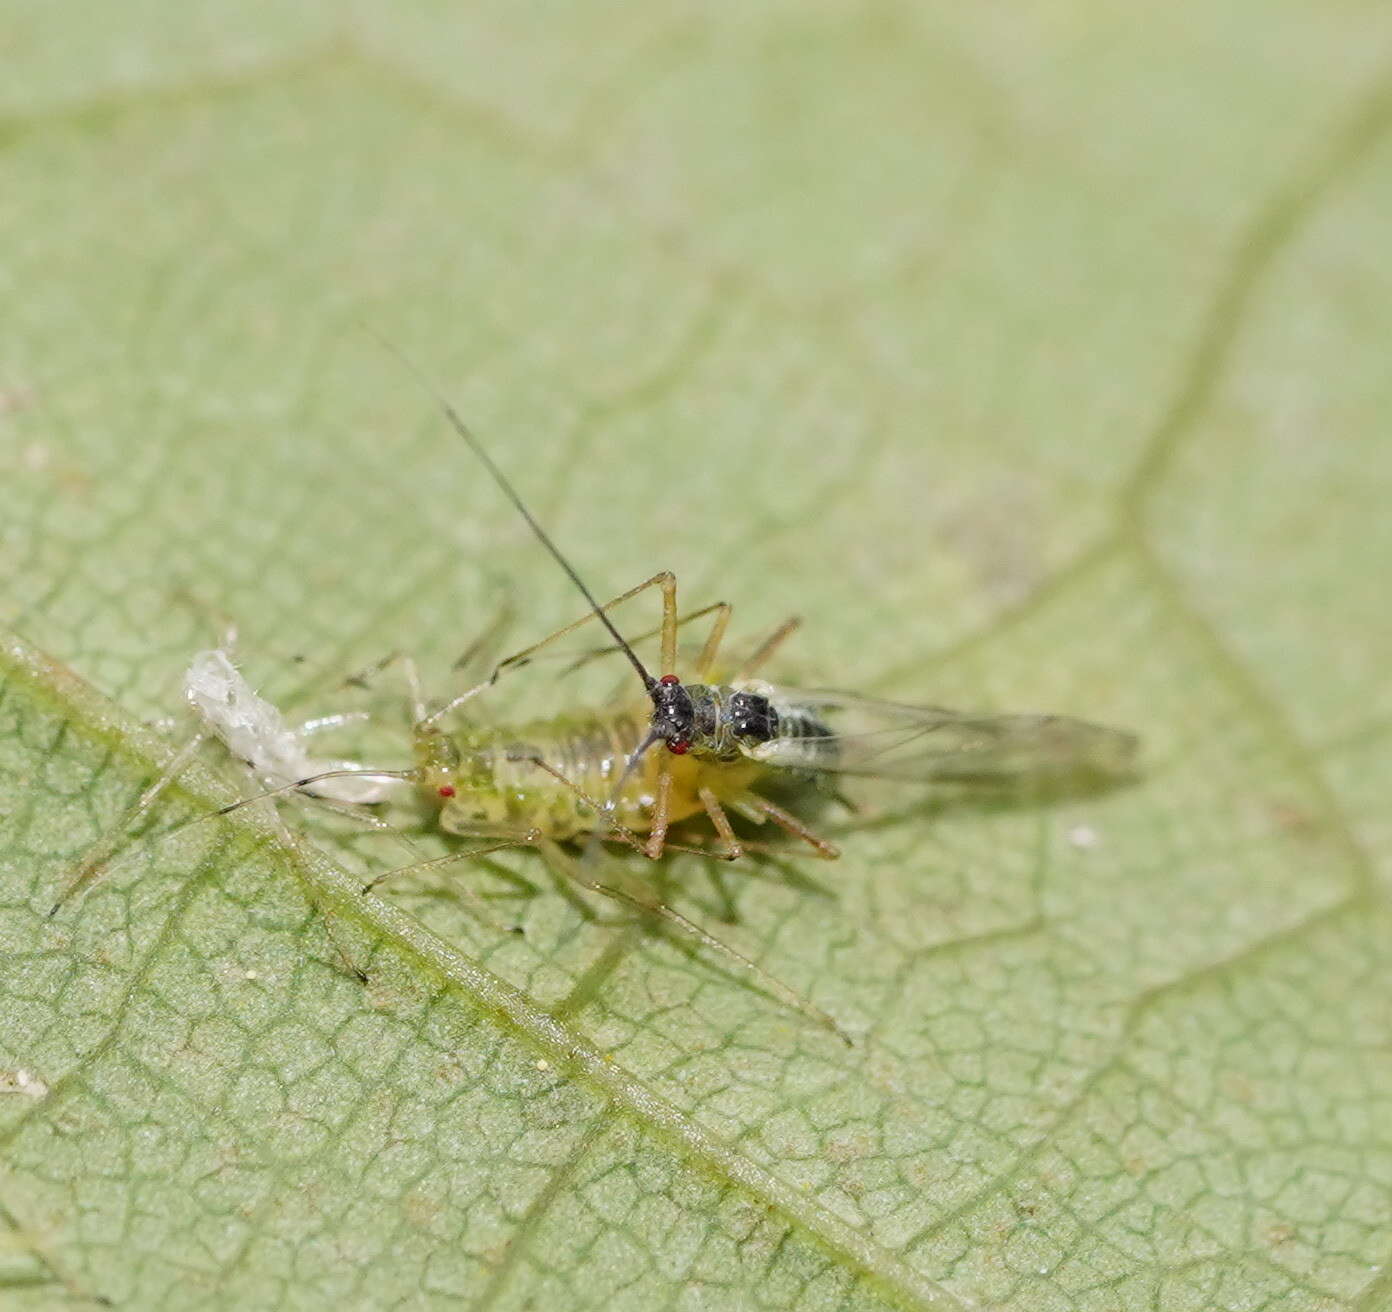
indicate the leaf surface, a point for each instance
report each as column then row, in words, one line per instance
column 1039, row 364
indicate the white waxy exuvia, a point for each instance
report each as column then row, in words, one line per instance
column 254, row 731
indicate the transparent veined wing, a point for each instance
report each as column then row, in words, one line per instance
column 836, row 732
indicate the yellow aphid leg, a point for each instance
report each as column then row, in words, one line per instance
column 759, row 809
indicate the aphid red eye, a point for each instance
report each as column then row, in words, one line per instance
column 446, row 790
column 679, row 748
column 669, row 679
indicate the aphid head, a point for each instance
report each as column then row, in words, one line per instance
column 674, row 714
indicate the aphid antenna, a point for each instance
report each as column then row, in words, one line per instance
column 296, row 785
column 457, row 423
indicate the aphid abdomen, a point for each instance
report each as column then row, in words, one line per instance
column 499, row 778
column 803, row 737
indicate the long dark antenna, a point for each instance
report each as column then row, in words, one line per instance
column 510, row 492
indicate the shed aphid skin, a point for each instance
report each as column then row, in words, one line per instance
column 255, row 732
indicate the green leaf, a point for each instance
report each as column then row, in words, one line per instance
column 1037, row 359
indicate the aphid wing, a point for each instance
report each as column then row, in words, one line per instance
column 893, row 740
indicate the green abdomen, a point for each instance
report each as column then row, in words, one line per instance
column 499, row 784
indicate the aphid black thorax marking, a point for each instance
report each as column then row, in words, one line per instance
column 752, row 717
column 712, row 722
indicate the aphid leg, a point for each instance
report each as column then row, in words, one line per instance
column 722, row 853
column 733, row 849
column 473, row 660
column 766, row 648
column 661, row 813
column 213, row 616
column 563, row 864
column 620, row 832
column 312, row 897
column 665, row 580
column 757, row 808
column 706, row 661
column 302, row 785
column 105, row 847
column 480, row 649
column 504, row 839
column 527, row 839
column 354, row 811
column 411, row 674
column 849, row 804
column 362, row 679
column 711, row 643
column 669, row 626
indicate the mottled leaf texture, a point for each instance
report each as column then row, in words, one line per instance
column 1035, row 354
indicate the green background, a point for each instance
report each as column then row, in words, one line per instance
column 1037, row 355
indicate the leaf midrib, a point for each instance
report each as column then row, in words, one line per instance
column 84, row 709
